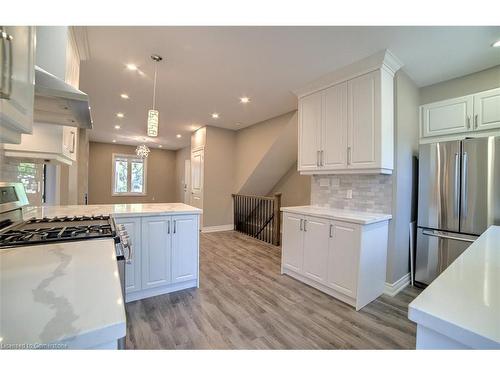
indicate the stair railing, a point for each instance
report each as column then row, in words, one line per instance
column 258, row 216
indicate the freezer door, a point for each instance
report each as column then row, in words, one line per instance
column 439, row 186
column 436, row 250
column 480, row 196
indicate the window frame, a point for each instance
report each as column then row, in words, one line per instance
column 129, row 158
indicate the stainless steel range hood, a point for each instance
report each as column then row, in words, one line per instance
column 57, row 102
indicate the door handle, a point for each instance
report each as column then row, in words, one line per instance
column 438, row 235
column 73, row 141
column 475, row 121
column 330, row 233
column 457, row 184
column 464, row 184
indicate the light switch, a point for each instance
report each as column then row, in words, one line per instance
column 324, row 182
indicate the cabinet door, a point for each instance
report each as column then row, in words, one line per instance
column 17, row 79
column 364, row 121
column 334, row 134
column 156, row 251
column 316, row 233
column 185, row 236
column 310, row 131
column 70, row 142
column 446, row 117
column 343, row 257
column 487, row 110
column 293, row 241
column 132, row 269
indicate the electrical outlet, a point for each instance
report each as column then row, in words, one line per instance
column 348, row 194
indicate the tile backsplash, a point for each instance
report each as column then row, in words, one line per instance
column 370, row 193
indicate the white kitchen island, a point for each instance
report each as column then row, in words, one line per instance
column 164, row 238
column 460, row 309
column 61, row 296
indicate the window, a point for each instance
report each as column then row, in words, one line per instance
column 129, row 175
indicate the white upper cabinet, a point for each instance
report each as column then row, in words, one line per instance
column 487, row 110
column 310, row 131
column 346, row 119
column 17, row 81
column 334, row 139
column 447, row 116
column 456, row 118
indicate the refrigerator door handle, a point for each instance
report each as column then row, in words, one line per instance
column 464, row 184
column 457, row 184
column 439, row 235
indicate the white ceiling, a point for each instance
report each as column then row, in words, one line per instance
column 207, row 69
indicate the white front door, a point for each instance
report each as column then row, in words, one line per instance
column 187, row 181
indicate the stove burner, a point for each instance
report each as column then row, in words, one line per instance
column 59, row 229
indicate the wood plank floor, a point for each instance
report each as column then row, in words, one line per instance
column 245, row 303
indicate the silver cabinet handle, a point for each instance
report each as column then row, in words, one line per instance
column 175, row 226
column 457, row 183
column 3, row 64
column 168, row 227
column 467, row 119
column 464, row 184
column 322, row 155
column 73, row 141
column 349, row 155
column 475, row 121
column 317, row 158
column 305, row 228
column 300, row 225
column 330, row 233
column 6, row 71
column 130, row 253
column 9, row 42
column 438, row 235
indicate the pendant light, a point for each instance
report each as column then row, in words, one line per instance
column 153, row 114
column 142, row 151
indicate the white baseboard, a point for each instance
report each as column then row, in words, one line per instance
column 217, row 228
column 397, row 286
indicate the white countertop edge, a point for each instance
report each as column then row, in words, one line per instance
column 95, row 338
column 159, row 213
column 336, row 214
column 457, row 333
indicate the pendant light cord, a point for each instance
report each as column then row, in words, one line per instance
column 154, row 85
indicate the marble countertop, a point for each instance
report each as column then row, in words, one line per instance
column 49, row 295
column 463, row 302
column 117, row 210
column 356, row 217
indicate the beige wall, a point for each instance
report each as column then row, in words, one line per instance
column 160, row 175
column 181, row 156
column 294, row 187
column 404, row 176
column 469, row 84
column 218, row 176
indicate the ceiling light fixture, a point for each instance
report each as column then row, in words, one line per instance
column 160, row 146
column 117, row 126
column 245, row 99
column 142, row 151
column 124, row 96
column 131, row 66
column 153, row 114
column 178, row 136
column 215, row 115
column 496, row 44
column 114, row 140
column 120, row 115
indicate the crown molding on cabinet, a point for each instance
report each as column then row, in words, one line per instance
column 384, row 59
column 79, row 34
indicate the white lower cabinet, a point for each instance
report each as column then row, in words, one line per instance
column 345, row 260
column 165, row 253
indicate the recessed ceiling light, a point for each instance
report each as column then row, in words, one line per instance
column 496, row 44
column 117, row 126
column 245, row 99
column 215, row 115
column 124, row 96
column 120, row 115
column 114, row 140
column 178, row 136
column 131, row 67
column 160, row 146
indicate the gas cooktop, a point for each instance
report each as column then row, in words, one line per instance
column 45, row 230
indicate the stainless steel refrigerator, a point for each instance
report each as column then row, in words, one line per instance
column 458, row 199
